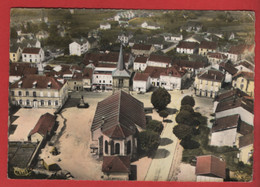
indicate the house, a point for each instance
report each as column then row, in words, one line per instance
column 82, row 45
column 124, row 37
column 105, row 26
column 245, row 66
column 151, row 26
column 102, row 78
column 33, row 55
column 15, row 53
column 227, row 130
column 159, row 61
column 187, row 47
column 229, row 95
column 43, row 128
column 140, row 63
column 216, row 58
column 117, row 120
column 138, row 39
column 192, row 67
column 191, row 26
column 173, row 78
column 168, row 37
column 246, row 148
column 154, row 73
column 18, row 70
column 87, row 78
column 229, row 70
column 42, row 35
column 195, row 38
column 206, row 47
column 142, row 49
column 235, row 53
column 241, row 106
column 141, row 82
column 39, row 92
column 210, row 168
column 208, row 83
column 116, row 168
column 244, row 81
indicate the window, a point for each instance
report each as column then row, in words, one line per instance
column 56, row 103
column 20, row 93
column 42, row 102
column 27, row 102
column 106, row 147
column 49, row 103
column 242, row 80
column 12, row 93
column 34, row 94
column 120, row 83
column 24, row 55
column 96, row 76
column 129, row 147
column 241, row 86
column 117, row 148
column 27, row 93
column 13, row 55
column 110, row 81
column 30, row 55
column 99, row 81
column 20, row 101
column 104, row 81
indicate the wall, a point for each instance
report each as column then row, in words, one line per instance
column 224, row 138
column 139, row 66
column 244, row 154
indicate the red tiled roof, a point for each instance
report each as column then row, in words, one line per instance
column 174, row 71
column 87, row 73
column 41, row 80
column 160, row 58
column 212, row 75
column 225, row 123
column 118, row 115
column 141, row 76
column 106, row 65
column 247, row 65
column 31, row 50
column 44, row 125
column 189, row 64
column 142, row 47
column 245, row 128
column 154, row 72
column 246, row 75
column 228, row 67
column 208, row 45
column 140, row 59
column 246, row 140
column 117, row 164
column 236, row 93
column 240, row 49
column 21, row 69
column 187, row 45
column 216, row 55
column 210, row 165
column 234, row 103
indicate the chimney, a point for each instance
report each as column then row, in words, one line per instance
column 49, row 84
column 34, row 84
column 20, row 84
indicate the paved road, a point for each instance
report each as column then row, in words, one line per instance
column 167, row 150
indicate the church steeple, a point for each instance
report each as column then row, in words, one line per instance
column 121, row 76
column 120, row 63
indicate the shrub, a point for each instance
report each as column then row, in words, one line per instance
column 189, row 144
column 160, row 98
column 184, row 117
column 148, row 142
column 155, row 126
column 188, row 100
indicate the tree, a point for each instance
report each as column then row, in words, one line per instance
column 163, row 114
column 148, row 142
column 160, row 98
column 184, row 117
column 188, row 100
column 155, row 126
column 182, row 131
column 187, row 108
column 189, row 144
column 13, row 33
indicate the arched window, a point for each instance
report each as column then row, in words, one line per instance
column 117, row 149
column 129, row 147
column 106, row 147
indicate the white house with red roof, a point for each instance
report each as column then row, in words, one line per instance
column 140, row 63
column 38, row 91
column 43, row 128
column 159, row 61
column 33, row 55
column 245, row 65
column 187, row 47
column 141, row 82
